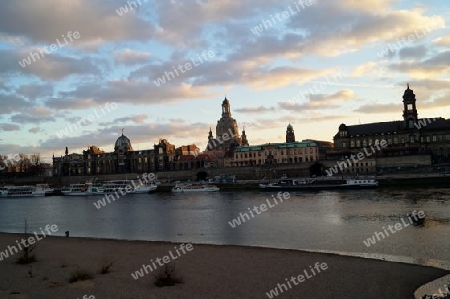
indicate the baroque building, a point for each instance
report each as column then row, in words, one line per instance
column 274, row 153
column 409, row 136
column 122, row 160
column 163, row 157
column 227, row 135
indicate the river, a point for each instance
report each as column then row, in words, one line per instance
column 331, row 221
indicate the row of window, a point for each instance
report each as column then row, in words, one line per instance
column 397, row 140
column 361, row 164
column 288, row 152
column 283, row 160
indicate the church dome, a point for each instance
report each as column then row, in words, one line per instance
column 342, row 127
column 123, row 144
column 289, row 127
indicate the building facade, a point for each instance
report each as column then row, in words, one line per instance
column 273, row 153
column 409, row 136
column 122, row 160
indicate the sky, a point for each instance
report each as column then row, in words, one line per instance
column 76, row 72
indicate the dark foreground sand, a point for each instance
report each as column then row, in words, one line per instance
column 208, row 272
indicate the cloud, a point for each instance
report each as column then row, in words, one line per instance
column 35, row 130
column 35, row 114
column 125, row 91
column 11, row 102
column 367, row 26
column 442, row 41
column 319, row 101
column 95, row 20
column 131, row 57
column 417, row 52
column 34, row 91
column 433, row 66
column 9, row 127
column 259, row 109
column 380, row 108
column 29, row 118
column 53, row 66
column 137, row 119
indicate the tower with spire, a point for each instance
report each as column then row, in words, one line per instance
column 409, row 108
column 290, row 136
column 227, row 134
column 244, row 141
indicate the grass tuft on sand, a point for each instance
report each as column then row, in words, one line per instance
column 79, row 275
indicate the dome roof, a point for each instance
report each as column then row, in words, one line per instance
column 408, row 91
column 123, row 143
column 342, row 127
column 289, row 127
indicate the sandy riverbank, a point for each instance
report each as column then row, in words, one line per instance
column 208, row 272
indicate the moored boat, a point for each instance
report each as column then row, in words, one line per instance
column 128, row 186
column 23, row 191
column 195, row 187
column 313, row 184
column 83, row 189
column 45, row 188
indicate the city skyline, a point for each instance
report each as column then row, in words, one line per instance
column 167, row 66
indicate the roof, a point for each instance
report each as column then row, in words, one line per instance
column 396, row 126
column 375, row 128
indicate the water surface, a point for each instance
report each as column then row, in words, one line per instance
column 325, row 220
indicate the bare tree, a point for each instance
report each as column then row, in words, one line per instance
column 35, row 159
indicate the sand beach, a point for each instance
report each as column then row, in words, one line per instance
column 207, row 271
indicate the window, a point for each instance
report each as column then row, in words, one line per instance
column 411, row 139
column 395, row 140
column 434, row 138
column 364, row 142
column 358, row 143
column 352, row 143
column 428, row 138
column 344, row 144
